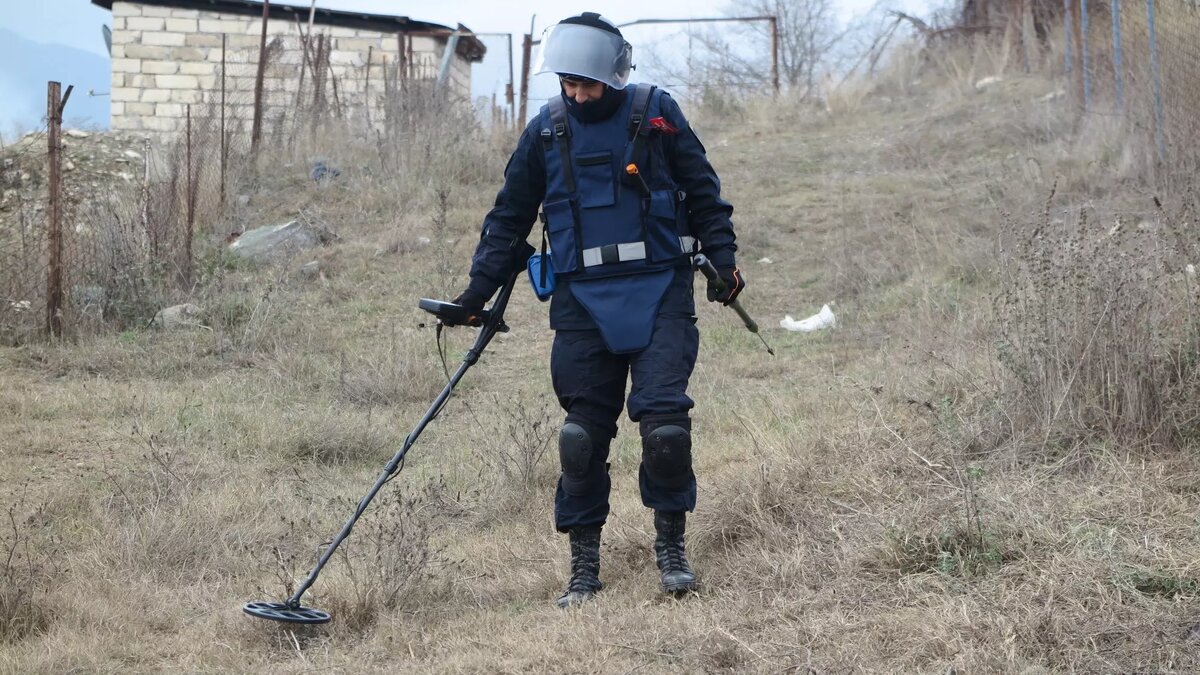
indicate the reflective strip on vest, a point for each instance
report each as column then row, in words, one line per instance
column 615, row 253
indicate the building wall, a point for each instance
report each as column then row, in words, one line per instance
column 164, row 59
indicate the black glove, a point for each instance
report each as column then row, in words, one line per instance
column 734, row 283
column 470, row 301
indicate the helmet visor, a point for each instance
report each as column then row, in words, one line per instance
column 584, row 51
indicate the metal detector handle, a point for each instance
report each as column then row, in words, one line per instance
column 706, row 268
column 494, row 324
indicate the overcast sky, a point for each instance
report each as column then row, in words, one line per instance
column 77, row 23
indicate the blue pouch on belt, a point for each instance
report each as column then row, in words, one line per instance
column 541, row 275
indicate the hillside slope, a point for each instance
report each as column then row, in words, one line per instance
column 864, row 501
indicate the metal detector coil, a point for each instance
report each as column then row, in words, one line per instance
column 282, row 611
column 489, row 322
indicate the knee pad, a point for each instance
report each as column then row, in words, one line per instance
column 667, row 450
column 575, row 450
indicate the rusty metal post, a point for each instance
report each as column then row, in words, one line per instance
column 191, row 207
column 775, row 53
column 367, row 85
column 510, row 93
column 54, row 292
column 1077, row 34
column 256, row 132
column 224, row 147
column 526, row 52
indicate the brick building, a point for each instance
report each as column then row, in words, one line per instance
column 168, row 54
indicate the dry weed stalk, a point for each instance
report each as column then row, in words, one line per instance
column 1100, row 328
column 27, row 575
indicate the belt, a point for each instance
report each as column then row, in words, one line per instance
column 615, row 253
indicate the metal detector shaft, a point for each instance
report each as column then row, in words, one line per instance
column 710, row 272
column 495, row 324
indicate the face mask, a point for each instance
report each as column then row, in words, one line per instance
column 598, row 110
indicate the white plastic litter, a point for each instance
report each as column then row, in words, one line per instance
column 819, row 321
column 765, row 261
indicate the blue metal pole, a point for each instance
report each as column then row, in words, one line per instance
column 1118, row 70
column 1087, row 75
column 1068, row 56
column 1156, row 77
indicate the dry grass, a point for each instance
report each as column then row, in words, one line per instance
column 870, row 499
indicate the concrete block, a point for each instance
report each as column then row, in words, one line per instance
column 141, row 81
column 203, row 40
column 186, row 54
column 240, row 26
column 186, row 96
column 356, row 45
column 168, row 110
column 155, row 11
column 160, row 67
column 118, row 23
column 243, row 42
column 144, row 23
column 178, row 81
column 156, row 96
column 239, row 70
column 208, row 82
column 118, row 108
column 118, row 51
column 146, row 52
column 126, row 122
column 343, row 58
column 126, row 65
column 425, row 43
column 198, row 68
column 161, row 123
column 126, row 9
column 139, row 109
column 183, row 25
column 124, row 94
column 163, row 39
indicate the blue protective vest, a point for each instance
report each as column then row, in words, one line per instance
column 614, row 236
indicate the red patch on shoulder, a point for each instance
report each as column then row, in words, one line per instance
column 660, row 124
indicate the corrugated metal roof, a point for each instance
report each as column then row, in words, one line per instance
column 470, row 48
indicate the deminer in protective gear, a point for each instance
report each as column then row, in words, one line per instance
column 627, row 196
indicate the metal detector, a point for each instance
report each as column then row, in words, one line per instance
column 489, row 322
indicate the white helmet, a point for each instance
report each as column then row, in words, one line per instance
column 587, row 46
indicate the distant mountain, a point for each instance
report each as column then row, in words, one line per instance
column 25, row 68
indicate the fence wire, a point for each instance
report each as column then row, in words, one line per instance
column 140, row 207
column 1139, row 61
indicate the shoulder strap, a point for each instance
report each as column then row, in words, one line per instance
column 562, row 131
column 641, row 104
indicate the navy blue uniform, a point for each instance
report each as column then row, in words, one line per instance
column 591, row 361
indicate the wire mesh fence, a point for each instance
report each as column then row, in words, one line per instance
column 1138, row 61
column 139, row 205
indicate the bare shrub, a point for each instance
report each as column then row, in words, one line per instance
column 27, row 574
column 392, row 554
column 150, row 512
column 517, row 447
column 1100, row 327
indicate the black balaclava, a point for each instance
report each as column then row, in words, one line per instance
column 602, row 109
column 598, row 110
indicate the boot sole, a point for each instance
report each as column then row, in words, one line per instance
column 681, row 589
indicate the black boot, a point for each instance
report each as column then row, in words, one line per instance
column 585, row 567
column 677, row 575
